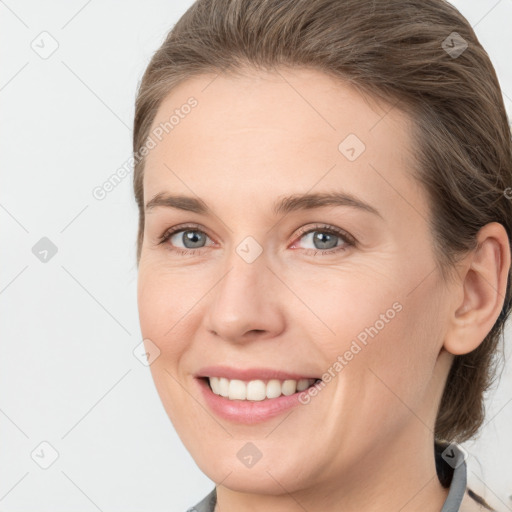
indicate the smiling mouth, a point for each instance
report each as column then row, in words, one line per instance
column 256, row 390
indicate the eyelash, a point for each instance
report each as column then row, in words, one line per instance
column 348, row 240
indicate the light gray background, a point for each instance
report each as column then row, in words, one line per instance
column 68, row 375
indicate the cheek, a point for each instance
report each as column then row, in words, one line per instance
column 162, row 311
column 355, row 307
column 399, row 360
column 387, row 336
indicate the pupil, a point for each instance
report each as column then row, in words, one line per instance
column 324, row 238
column 192, row 236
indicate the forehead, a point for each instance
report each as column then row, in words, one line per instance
column 285, row 131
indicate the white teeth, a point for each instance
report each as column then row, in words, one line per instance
column 289, row 387
column 214, row 384
column 223, row 386
column 257, row 390
column 273, row 388
column 302, row 384
column 237, row 390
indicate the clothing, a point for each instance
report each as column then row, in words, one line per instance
column 453, row 475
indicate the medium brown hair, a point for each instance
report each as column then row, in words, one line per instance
column 400, row 52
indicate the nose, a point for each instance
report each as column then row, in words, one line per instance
column 246, row 303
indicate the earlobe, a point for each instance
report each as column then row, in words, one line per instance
column 483, row 280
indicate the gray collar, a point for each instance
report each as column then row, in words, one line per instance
column 453, row 456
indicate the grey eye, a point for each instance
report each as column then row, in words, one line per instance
column 191, row 238
column 322, row 239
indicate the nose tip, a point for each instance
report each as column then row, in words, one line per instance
column 242, row 308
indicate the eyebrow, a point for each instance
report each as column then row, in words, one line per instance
column 295, row 202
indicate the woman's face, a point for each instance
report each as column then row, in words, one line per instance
column 262, row 284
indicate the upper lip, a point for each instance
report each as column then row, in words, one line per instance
column 249, row 374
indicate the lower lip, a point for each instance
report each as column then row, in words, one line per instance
column 247, row 411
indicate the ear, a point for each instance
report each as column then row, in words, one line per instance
column 480, row 293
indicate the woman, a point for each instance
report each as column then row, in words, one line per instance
column 324, row 249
